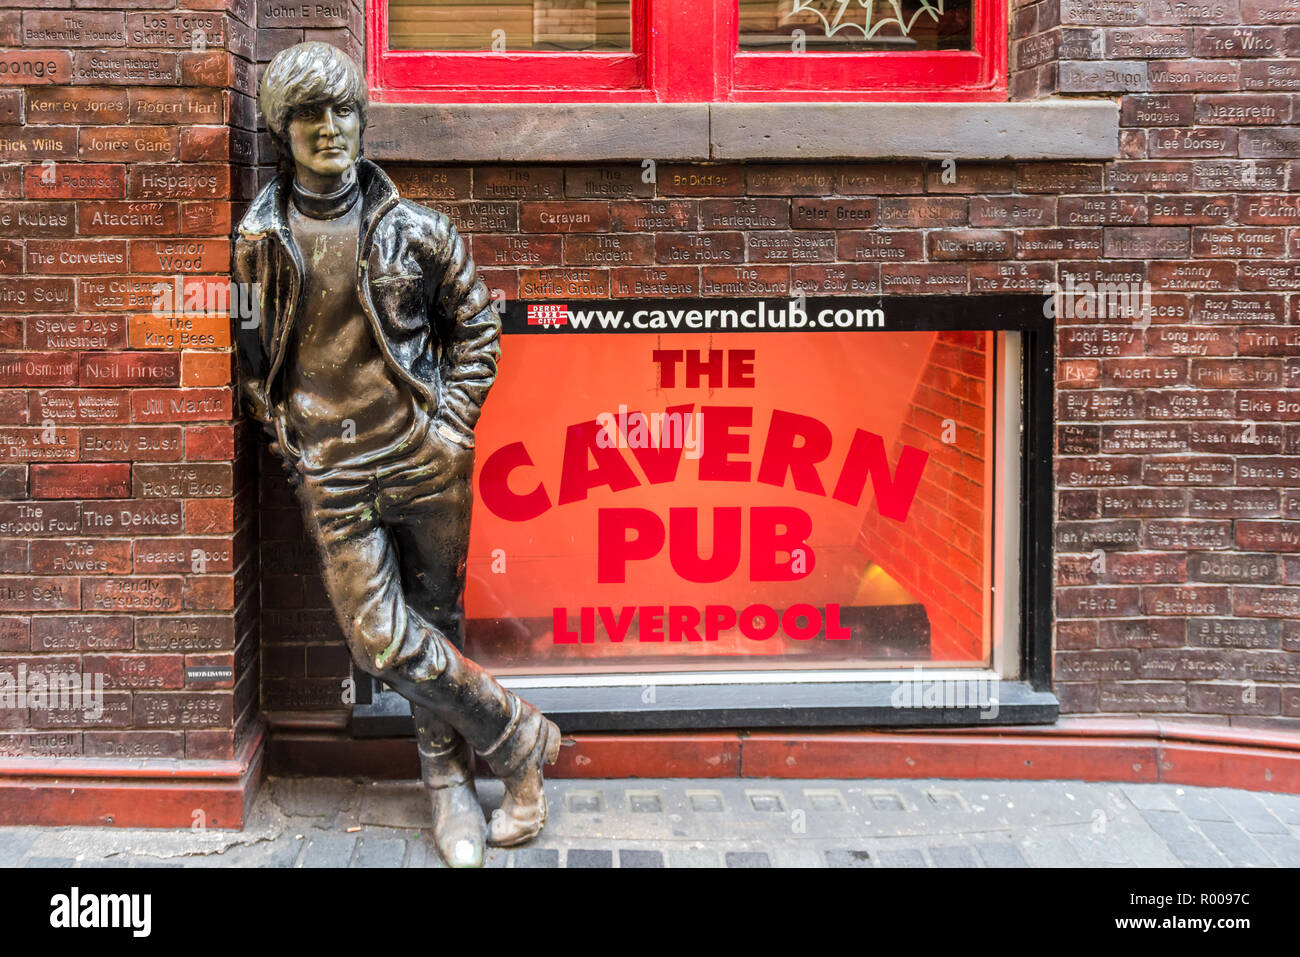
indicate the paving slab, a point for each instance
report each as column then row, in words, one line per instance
column 1249, row 811
column 1234, row 844
column 1285, row 806
column 742, row 823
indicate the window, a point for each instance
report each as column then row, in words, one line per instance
column 686, row 50
column 728, row 521
column 655, row 507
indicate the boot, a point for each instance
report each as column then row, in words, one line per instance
column 447, row 769
column 529, row 742
column 513, row 736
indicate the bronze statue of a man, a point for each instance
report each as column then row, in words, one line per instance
column 375, row 349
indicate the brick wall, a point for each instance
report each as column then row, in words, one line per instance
column 1191, row 524
column 125, row 535
column 1178, row 440
column 1188, row 609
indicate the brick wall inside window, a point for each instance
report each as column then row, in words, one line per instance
column 940, row 554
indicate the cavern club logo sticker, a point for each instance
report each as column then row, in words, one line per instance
column 679, row 480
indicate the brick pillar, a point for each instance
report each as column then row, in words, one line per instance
column 305, row 656
column 127, row 537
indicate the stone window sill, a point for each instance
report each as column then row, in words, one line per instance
column 1059, row 129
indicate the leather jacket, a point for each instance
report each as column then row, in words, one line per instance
column 428, row 310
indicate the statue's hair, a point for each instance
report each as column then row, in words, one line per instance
column 308, row 74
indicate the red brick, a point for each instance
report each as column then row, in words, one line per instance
column 967, row 244
column 76, row 181
column 83, row 480
column 83, row 632
column 700, row 180
column 188, row 181
column 205, row 218
column 923, row 211
column 1207, row 274
column 873, row 179
column 840, row 279
column 185, row 106
column 609, row 249
column 1058, row 243
column 745, row 280
column 11, row 257
column 36, row 143
column 127, row 219
column 31, row 67
column 134, row 744
column 180, row 405
column 1097, row 602
column 1186, row 75
column 134, row 444
column 128, row 144
column 565, row 217
column 118, row 369
column 206, row 369
column 519, row 183
column 50, row 219
column 38, row 593
column 183, row 710
column 209, row 516
column 499, row 250
column 748, row 214
column 1055, row 177
column 1255, row 243
column 183, row 556
column 924, row 278
column 1192, row 141
column 72, row 105
column 1239, row 109
column 127, row 293
column 1176, row 109
column 1013, row 211
column 969, row 178
column 211, row 442
column 131, row 594
column 38, row 369
column 24, row 294
column 76, row 256
column 654, row 282
column 50, row 28
column 654, row 215
column 577, row 283
column 62, row 557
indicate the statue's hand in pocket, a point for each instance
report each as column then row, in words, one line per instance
column 455, row 448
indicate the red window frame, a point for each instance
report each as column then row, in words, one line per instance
column 688, row 51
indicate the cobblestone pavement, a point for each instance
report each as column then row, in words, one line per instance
column 331, row 822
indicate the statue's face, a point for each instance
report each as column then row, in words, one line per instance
column 325, row 138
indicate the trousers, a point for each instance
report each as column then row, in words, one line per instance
column 393, row 536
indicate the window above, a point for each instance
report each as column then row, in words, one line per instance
column 496, row 26
column 855, row 27
column 451, row 51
